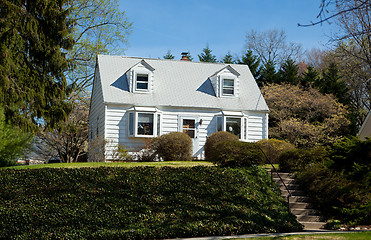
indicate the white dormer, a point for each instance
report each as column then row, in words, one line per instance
column 226, row 82
column 140, row 78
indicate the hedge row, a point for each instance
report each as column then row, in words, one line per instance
column 139, row 203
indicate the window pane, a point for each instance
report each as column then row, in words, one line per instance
column 142, row 78
column 228, row 83
column 233, row 125
column 142, row 85
column 219, row 124
column 145, row 124
column 228, row 91
column 131, row 124
column 189, row 132
column 158, row 124
column 189, row 123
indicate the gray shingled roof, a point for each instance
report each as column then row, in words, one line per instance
column 178, row 84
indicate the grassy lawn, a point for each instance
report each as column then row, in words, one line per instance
column 334, row 236
column 115, row 164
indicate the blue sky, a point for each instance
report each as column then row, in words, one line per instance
column 188, row 25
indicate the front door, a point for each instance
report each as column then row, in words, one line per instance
column 189, row 126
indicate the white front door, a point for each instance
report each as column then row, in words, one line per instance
column 189, row 126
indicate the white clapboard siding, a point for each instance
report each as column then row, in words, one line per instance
column 256, row 128
column 96, row 113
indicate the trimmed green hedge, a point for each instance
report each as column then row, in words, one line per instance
column 139, row 203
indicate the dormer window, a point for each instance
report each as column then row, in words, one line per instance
column 141, row 82
column 140, row 78
column 228, row 87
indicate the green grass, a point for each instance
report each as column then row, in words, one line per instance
column 114, row 164
column 333, row 236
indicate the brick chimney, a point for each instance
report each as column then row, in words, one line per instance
column 185, row 56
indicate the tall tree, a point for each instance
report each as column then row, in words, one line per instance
column 34, row 38
column 289, row 72
column 309, row 77
column 169, row 55
column 252, row 61
column 228, row 58
column 206, row 55
column 100, row 28
column 268, row 74
column 271, row 46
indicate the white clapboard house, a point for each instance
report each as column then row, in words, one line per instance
column 134, row 99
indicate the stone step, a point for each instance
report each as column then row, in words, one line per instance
column 300, row 205
column 285, row 180
column 282, row 175
column 313, row 225
column 285, row 193
column 309, row 218
column 289, row 186
column 304, row 199
column 306, row 212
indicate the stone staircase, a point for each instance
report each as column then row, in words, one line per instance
column 300, row 205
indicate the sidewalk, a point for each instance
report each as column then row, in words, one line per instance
column 267, row 235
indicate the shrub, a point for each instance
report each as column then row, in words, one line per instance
column 121, row 154
column 297, row 159
column 214, row 139
column 174, row 146
column 237, row 154
column 273, row 148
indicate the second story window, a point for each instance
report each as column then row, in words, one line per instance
column 142, row 82
column 228, row 87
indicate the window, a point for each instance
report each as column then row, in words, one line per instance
column 189, row 127
column 144, row 124
column 233, row 124
column 142, row 82
column 228, row 87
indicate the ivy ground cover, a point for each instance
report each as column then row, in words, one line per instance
column 139, row 203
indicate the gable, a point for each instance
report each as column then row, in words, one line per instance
column 178, row 84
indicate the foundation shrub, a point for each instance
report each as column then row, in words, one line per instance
column 237, row 154
column 215, row 138
column 273, row 148
column 174, row 146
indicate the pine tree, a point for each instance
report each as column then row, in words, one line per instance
column 252, row 61
column 332, row 83
column 288, row 72
column 268, row 74
column 309, row 78
column 228, row 58
column 206, row 55
column 34, row 40
column 169, row 55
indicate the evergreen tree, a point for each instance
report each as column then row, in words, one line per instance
column 34, row 40
column 268, row 74
column 228, row 58
column 252, row 61
column 288, row 72
column 206, row 55
column 309, row 78
column 169, row 55
column 332, row 83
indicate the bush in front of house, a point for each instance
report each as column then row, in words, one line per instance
column 139, row 203
column 273, row 148
column 174, row 146
column 215, row 138
column 237, row 154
